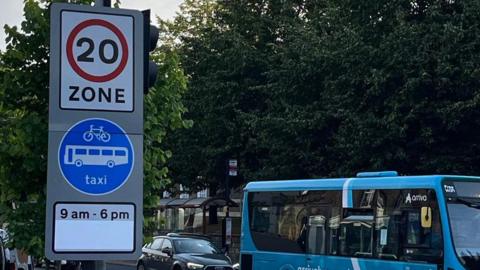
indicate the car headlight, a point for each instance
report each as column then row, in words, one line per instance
column 191, row 265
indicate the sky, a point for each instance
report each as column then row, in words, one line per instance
column 11, row 11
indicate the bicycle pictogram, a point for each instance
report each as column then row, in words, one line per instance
column 98, row 133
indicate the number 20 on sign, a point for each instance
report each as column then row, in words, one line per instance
column 97, row 62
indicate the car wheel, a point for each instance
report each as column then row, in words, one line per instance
column 177, row 267
column 140, row 266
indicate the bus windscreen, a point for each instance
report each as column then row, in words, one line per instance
column 463, row 201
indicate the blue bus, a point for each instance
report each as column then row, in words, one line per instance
column 376, row 221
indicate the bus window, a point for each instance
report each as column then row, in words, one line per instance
column 273, row 221
column 295, row 222
column 334, row 231
column 398, row 226
column 356, row 233
column 80, row 151
column 356, row 227
column 120, row 153
column 415, row 234
column 315, row 237
column 107, row 152
column 388, row 224
column 94, row 152
column 322, row 208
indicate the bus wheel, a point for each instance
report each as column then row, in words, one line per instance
column 78, row 163
column 110, row 164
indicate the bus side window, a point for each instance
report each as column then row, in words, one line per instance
column 356, row 233
column 94, row 152
column 120, row 153
column 274, row 221
column 321, row 214
column 398, row 225
column 294, row 222
column 357, row 225
column 387, row 224
column 107, row 152
column 80, row 151
column 423, row 243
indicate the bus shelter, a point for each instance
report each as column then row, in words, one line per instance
column 201, row 216
column 197, row 215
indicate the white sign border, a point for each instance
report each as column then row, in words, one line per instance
column 60, row 63
column 96, row 252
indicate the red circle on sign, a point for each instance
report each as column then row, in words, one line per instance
column 78, row 69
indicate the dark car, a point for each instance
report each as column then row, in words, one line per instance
column 181, row 252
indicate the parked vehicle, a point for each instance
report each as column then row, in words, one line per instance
column 182, row 252
column 376, row 221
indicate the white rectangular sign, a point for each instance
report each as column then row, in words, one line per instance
column 97, row 62
column 232, row 167
column 94, row 227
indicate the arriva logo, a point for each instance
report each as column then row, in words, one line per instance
column 415, row 198
column 309, row 268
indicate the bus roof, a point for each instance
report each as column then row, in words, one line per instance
column 397, row 182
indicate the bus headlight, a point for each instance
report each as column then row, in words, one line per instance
column 194, row 266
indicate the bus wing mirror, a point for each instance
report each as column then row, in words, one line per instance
column 426, row 213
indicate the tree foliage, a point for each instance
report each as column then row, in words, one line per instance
column 24, row 126
column 301, row 88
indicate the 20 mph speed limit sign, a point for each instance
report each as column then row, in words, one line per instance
column 96, row 61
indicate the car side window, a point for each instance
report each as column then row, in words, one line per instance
column 157, row 243
column 167, row 244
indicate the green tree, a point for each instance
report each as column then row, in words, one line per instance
column 298, row 89
column 24, row 126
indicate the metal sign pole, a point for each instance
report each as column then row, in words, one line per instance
column 101, row 265
column 103, row 3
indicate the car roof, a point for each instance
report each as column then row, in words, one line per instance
column 176, row 236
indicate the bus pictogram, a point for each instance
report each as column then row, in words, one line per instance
column 80, row 155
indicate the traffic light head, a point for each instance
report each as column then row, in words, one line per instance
column 151, row 35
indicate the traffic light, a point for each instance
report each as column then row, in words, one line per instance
column 150, row 43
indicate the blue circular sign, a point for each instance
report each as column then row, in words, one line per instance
column 96, row 156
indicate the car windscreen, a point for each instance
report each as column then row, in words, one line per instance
column 195, row 246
